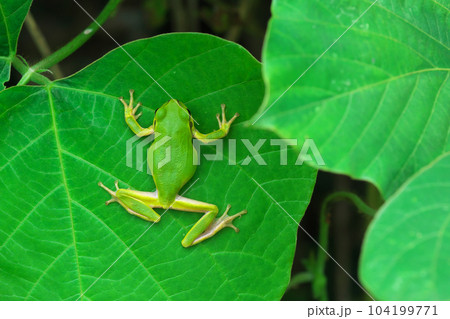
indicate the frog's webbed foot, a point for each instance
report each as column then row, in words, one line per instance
column 130, row 110
column 112, row 193
column 223, row 123
column 136, row 203
column 223, row 221
column 131, row 117
column 226, row 221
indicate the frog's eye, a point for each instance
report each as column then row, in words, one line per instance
column 160, row 114
column 183, row 113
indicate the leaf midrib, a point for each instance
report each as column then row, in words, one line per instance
column 63, row 174
column 360, row 89
column 124, row 244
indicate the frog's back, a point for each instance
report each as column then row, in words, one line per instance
column 170, row 157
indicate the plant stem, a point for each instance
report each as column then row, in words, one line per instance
column 28, row 73
column 40, row 42
column 319, row 284
column 362, row 207
column 79, row 40
column 319, row 281
column 299, row 279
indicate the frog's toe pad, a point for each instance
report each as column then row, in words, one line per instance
column 110, row 192
column 227, row 221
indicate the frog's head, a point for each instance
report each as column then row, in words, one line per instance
column 173, row 111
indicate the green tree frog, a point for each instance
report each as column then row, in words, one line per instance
column 173, row 124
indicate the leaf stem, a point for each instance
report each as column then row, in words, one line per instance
column 299, row 279
column 319, row 281
column 28, row 73
column 362, row 207
column 79, row 40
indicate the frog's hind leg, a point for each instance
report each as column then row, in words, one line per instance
column 208, row 225
column 136, row 203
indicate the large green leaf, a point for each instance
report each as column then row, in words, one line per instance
column 406, row 254
column 376, row 104
column 12, row 15
column 57, row 236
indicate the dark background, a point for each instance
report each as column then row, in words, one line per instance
column 244, row 22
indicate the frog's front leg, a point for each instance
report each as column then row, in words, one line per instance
column 208, row 225
column 136, row 203
column 131, row 117
column 224, row 128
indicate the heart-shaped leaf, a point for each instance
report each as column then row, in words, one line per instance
column 418, row 216
column 376, row 103
column 58, row 239
column 374, row 98
column 12, row 15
